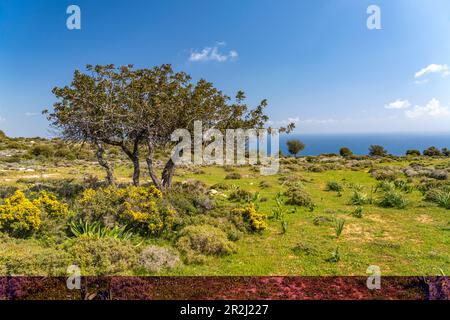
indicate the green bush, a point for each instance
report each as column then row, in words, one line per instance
column 233, row 176
column 413, row 153
column 432, row 152
column 345, row 152
column 377, row 151
column 297, row 196
column 393, row 199
column 439, row 196
column 241, row 195
column 198, row 242
column 103, row 256
column 334, row 186
column 359, row 198
column 28, row 258
column 42, row 150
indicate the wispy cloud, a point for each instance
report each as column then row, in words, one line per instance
column 2, row 119
column 31, row 114
column 432, row 109
column 398, row 104
column 433, row 68
column 213, row 54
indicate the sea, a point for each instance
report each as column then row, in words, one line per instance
column 394, row 143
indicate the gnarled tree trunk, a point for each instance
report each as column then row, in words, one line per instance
column 105, row 164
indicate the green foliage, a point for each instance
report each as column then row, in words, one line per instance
column 141, row 209
column 393, row 199
column 339, row 227
column 284, row 227
column 295, row 146
column 359, row 198
column 413, row 152
column 357, row 213
column 241, row 195
column 42, row 150
column 103, row 256
column 279, row 210
column 440, row 196
column 29, row 258
column 432, row 152
column 334, row 186
column 345, row 152
column 233, row 176
column 96, row 230
column 335, row 256
column 297, row 196
column 198, row 242
column 377, row 151
column 2, row 136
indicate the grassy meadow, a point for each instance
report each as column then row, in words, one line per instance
column 319, row 216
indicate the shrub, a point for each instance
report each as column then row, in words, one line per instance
column 103, row 256
column 413, row 153
column 255, row 221
column 198, row 242
column 445, row 152
column 51, row 206
column 432, row 152
column 140, row 208
column 392, row 199
column 2, row 136
column 19, row 217
column 438, row 174
column 439, row 196
column 377, row 151
column 357, row 213
column 29, row 258
column 345, row 152
column 241, row 195
column 359, row 198
column 155, row 259
column 264, row 185
column 297, row 196
column 295, row 146
column 334, row 186
column 42, row 150
column 233, row 176
column 385, row 174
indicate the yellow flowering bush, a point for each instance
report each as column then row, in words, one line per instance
column 19, row 216
column 256, row 221
column 142, row 208
column 49, row 203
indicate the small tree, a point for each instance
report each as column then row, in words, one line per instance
column 295, row 146
column 2, row 135
column 345, row 152
column 432, row 152
column 377, row 151
column 445, row 152
column 413, row 152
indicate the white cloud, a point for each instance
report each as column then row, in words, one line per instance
column 398, row 104
column 2, row 119
column 433, row 68
column 31, row 114
column 213, row 54
column 432, row 109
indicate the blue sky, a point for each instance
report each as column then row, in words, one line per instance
column 316, row 62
